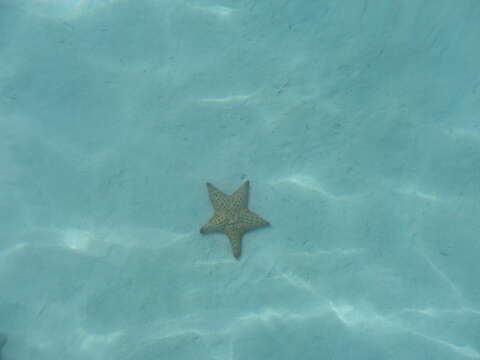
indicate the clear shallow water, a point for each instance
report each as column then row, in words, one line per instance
column 357, row 124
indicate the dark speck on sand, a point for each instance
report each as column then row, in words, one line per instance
column 3, row 341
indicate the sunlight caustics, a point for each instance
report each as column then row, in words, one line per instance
column 217, row 10
column 226, row 99
column 307, row 182
column 412, row 190
column 66, row 9
column 464, row 134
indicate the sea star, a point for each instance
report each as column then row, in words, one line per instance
column 232, row 216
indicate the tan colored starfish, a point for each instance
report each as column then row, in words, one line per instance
column 232, row 216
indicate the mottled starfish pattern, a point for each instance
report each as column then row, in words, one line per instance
column 232, row 216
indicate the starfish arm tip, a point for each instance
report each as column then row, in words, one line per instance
column 204, row 229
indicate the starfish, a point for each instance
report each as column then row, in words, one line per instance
column 232, row 216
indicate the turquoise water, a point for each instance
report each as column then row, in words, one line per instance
column 356, row 122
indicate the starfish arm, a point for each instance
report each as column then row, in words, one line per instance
column 214, row 224
column 235, row 238
column 239, row 199
column 249, row 220
column 218, row 199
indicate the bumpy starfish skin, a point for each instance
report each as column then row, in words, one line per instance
column 232, row 216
